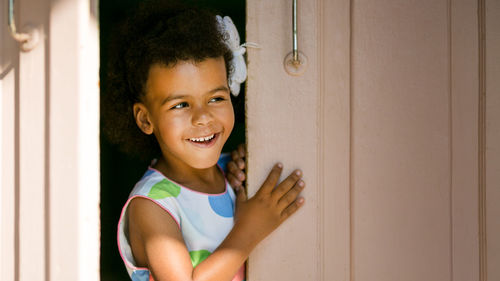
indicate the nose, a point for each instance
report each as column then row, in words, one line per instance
column 201, row 116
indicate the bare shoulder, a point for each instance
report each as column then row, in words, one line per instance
column 150, row 216
column 149, row 224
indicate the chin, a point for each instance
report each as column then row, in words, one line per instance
column 205, row 163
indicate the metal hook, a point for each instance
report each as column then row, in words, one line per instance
column 294, row 32
column 28, row 40
column 295, row 62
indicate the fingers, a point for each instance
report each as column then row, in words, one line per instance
column 241, row 196
column 286, row 185
column 290, row 210
column 235, row 155
column 233, row 181
column 235, row 172
column 271, row 180
column 241, row 150
column 291, row 195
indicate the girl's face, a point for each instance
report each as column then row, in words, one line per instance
column 188, row 108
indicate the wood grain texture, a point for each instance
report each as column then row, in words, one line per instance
column 401, row 137
column 395, row 156
column 9, row 62
column 465, row 98
column 492, row 141
column 282, row 126
column 32, row 263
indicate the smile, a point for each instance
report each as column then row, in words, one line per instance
column 206, row 141
column 203, row 139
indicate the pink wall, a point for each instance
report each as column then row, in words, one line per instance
column 385, row 124
column 49, row 100
column 492, row 139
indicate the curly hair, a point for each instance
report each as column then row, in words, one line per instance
column 160, row 32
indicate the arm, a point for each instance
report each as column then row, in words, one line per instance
column 164, row 251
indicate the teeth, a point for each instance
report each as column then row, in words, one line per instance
column 203, row 138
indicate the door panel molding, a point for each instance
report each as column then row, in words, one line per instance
column 465, row 127
column 334, row 137
column 491, row 148
column 388, row 114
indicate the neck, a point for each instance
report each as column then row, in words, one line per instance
column 208, row 180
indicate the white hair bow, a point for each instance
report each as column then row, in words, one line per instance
column 232, row 40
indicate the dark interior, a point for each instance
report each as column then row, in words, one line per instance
column 119, row 172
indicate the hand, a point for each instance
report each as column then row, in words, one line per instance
column 258, row 216
column 236, row 167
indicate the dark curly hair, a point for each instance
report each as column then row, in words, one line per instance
column 159, row 32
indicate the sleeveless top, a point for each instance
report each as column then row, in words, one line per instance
column 204, row 219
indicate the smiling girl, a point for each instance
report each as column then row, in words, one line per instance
column 169, row 101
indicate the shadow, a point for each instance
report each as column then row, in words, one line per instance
column 5, row 70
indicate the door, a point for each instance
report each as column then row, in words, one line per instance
column 388, row 124
column 49, row 135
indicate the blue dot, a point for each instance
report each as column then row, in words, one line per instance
column 222, row 205
column 148, row 172
column 140, row 275
column 223, row 160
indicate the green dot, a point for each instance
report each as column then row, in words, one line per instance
column 198, row 256
column 164, row 189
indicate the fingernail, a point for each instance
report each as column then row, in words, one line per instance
column 298, row 172
column 301, row 183
column 279, row 165
column 300, row 200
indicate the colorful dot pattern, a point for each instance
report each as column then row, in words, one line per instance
column 204, row 219
column 222, row 205
column 198, row 256
column 164, row 189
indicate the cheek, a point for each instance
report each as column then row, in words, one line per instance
column 171, row 127
column 229, row 119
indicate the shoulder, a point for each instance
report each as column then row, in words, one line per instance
column 148, row 215
column 148, row 225
column 152, row 203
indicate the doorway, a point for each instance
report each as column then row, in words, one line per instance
column 120, row 172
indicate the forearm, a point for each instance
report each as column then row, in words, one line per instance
column 227, row 259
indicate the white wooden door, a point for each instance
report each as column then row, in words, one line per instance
column 387, row 124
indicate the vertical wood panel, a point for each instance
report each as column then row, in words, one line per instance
column 7, row 176
column 464, row 107
column 401, row 141
column 334, row 108
column 282, row 126
column 63, row 149
column 9, row 61
column 492, row 152
column 32, row 117
column 74, row 141
column 396, row 139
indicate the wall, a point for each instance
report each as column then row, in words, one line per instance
column 49, row 196
column 492, row 139
column 385, row 123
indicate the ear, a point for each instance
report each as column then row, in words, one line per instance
column 142, row 120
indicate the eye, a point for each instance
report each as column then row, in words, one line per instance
column 217, row 99
column 180, row 105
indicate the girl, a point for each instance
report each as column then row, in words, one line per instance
column 170, row 100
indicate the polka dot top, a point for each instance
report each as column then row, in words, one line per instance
column 204, row 219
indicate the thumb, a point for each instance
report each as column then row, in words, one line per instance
column 240, row 194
